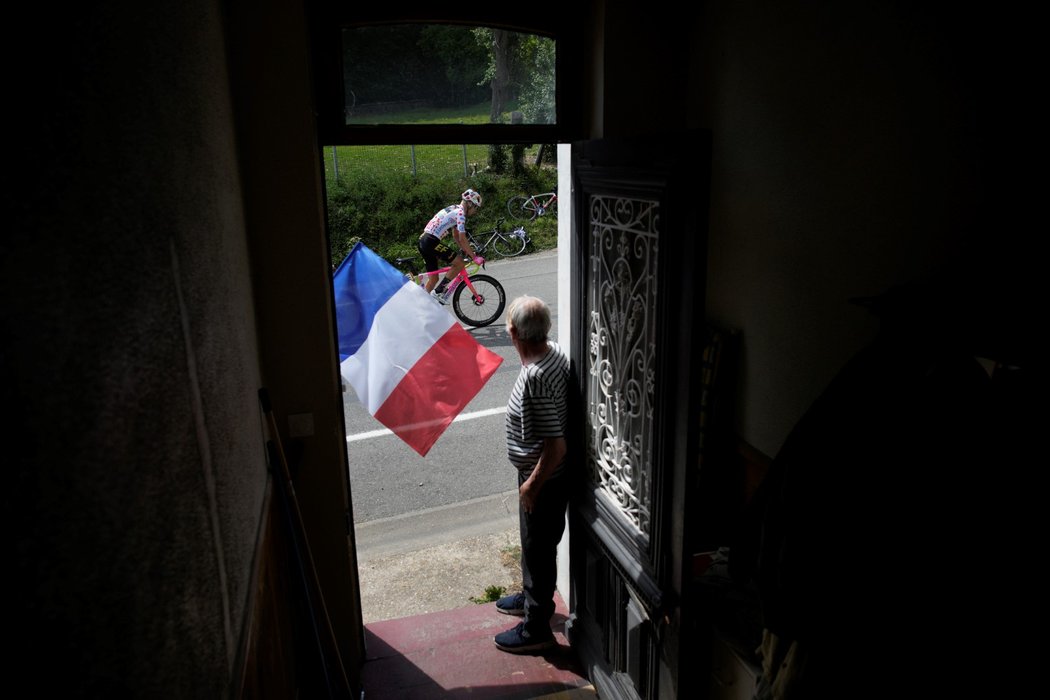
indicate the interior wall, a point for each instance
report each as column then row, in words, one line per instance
column 130, row 355
column 851, row 146
column 284, row 195
column 639, row 66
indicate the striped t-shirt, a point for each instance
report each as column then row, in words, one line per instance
column 538, row 409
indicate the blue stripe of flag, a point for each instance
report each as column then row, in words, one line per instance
column 363, row 283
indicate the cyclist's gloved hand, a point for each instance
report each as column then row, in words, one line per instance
column 479, row 260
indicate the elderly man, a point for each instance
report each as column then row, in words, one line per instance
column 537, row 414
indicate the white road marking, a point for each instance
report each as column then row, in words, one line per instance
column 461, row 417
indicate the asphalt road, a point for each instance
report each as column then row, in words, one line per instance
column 468, row 462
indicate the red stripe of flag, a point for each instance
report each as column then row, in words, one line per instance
column 444, row 380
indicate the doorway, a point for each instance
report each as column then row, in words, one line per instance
column 440, row 532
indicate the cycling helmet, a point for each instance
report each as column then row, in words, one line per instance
column 472, row 197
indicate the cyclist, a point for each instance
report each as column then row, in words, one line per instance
column 452, row 218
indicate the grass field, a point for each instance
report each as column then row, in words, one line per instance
column 443, row 160
column 382, row 195
column 475, row 114
column 451, row 160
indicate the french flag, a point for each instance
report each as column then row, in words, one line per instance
column 414, row 368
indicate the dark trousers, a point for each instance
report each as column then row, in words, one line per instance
column 541, row 530
column 433, row 251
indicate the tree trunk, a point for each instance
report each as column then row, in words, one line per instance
column 501, row 51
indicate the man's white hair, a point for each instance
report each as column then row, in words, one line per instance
column 530, row 317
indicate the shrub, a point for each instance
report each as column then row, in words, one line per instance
column 492, row 593
column 498, row 158
column 387, row 211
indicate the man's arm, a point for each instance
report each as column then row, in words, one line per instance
column 461, row 240
column 553, row 453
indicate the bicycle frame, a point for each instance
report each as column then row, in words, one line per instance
column 463, row 276
column 543, row 202
column 485, row 240
column 491, row 235
column 476, row 240
column 478, row 308
column 531, row 206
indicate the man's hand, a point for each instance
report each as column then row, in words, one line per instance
column 553, row 453
column 528, row 492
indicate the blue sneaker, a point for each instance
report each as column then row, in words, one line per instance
column 519, row 640
column 513, row 604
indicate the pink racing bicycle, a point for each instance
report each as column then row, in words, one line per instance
column 477, row 300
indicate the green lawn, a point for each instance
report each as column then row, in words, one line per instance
column 384, row 194
column 443, row 160
column 475, row 114
column 446, row 160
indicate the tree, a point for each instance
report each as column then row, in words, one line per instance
column 502, row 46
column 537, row 98
column 378, row 68
column 441, row 64
column 521, row 71
column 462, row 60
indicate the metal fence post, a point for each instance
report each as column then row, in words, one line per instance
column 413, row 160
column 465, row 173
column 335, row 162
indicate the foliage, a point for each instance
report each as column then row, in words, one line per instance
column 537, row 96
column 447, row 66
column 530, row 73
column 387, row 210
column 492, row 594
column 462, row 59
column 483, row 38
column 498, row 158
column 441, row 64
column 517, row 159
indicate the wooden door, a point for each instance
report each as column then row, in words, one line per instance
column 639, row 262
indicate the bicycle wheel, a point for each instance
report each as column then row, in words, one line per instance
column 516, row 208
column 484, row 307
column 509, row 244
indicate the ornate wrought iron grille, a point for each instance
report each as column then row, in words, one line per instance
column 622, row 350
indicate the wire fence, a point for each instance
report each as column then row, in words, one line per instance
column 346, row 162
